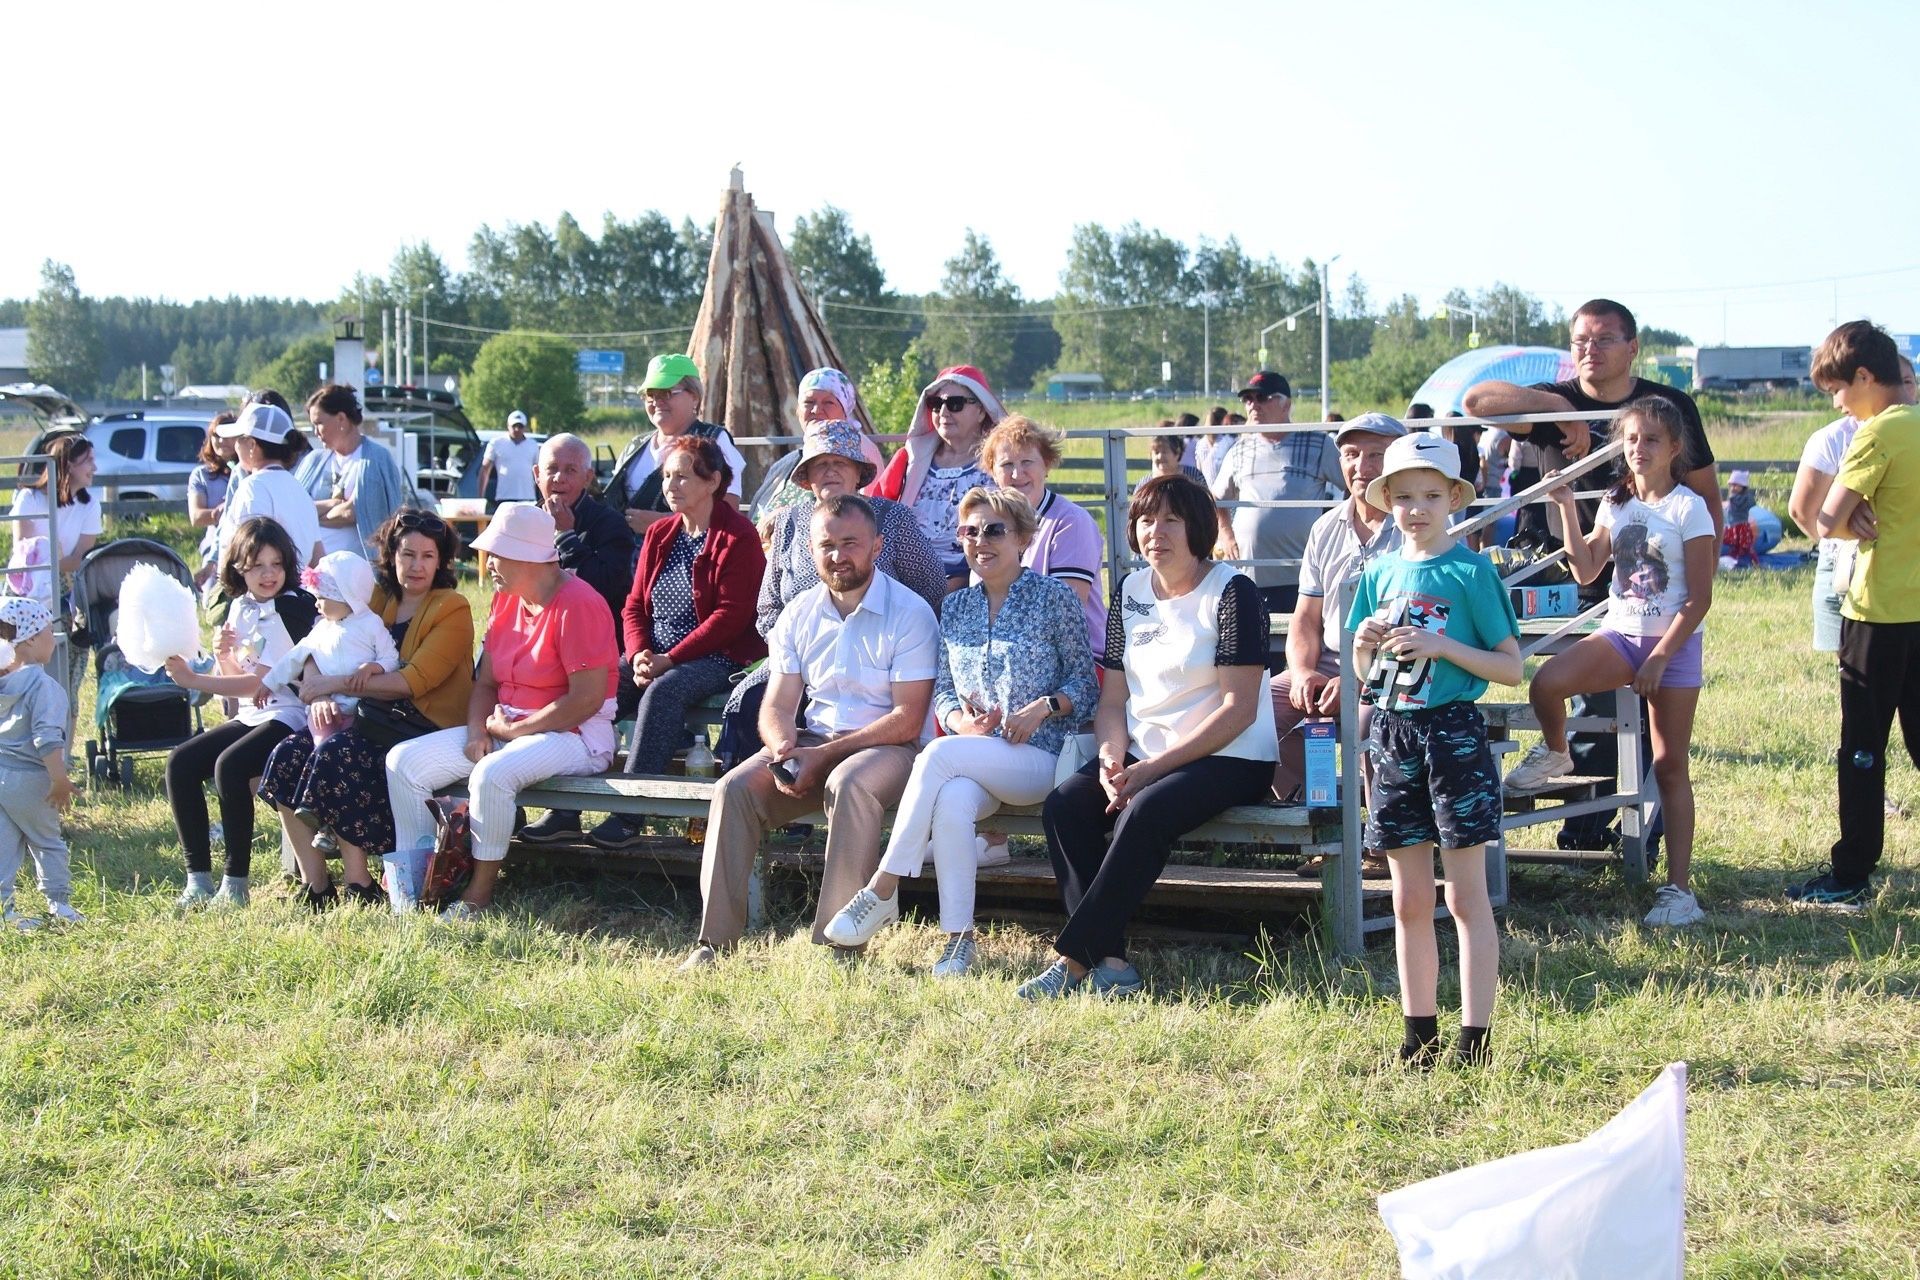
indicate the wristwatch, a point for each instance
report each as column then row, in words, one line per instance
column 1053, row 704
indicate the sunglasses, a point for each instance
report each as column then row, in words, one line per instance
column 1258, row 397
column 952, row 404
column 422, row 522
column 982, row 532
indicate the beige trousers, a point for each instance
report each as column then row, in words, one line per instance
column 746, row 805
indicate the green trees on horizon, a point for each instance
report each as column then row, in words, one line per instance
column 1129, row 299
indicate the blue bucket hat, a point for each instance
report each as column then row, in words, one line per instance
column 840, row 438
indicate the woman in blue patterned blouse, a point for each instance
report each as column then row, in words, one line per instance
column 1016, row 676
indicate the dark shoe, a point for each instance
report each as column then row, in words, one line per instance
column 364, row 895
column 1475, row 1053
column 617, row 832
column 1825, row 891
column 1420, row 1057
column 558, row 826
column 318, row 900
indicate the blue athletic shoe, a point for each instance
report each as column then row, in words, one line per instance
column 1825, row 891
column 1116, row 984
column 1053, row 983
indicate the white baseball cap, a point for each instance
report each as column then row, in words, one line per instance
column 1420, row 452
column 516, row 419
column 268, row 423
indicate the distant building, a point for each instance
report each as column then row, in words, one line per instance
column 13, row 355
column 1075, row 386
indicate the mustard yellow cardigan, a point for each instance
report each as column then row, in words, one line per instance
column 437, row 655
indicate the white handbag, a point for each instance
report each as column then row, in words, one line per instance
column 1075, row 751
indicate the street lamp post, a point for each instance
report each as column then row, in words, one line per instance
column 1446, row 311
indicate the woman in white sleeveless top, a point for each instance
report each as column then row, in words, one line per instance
column 1183, row 726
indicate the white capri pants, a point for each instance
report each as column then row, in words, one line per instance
column 416, row 769
column 955, row 783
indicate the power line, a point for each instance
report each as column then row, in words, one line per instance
column 575, row 337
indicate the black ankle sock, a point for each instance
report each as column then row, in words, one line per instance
column 1422, row 1040
column 1473, row 1047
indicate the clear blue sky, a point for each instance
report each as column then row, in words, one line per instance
column 1721, row 168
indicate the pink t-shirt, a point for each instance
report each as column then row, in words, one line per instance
column 535, row 651
column 1067, row 544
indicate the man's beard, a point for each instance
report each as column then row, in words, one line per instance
column 846, row 581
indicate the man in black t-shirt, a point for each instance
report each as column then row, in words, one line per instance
column 1606, row 342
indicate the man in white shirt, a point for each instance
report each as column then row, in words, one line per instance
column 513, row 461
column 864, row 650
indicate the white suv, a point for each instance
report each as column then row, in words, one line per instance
column 150, row 444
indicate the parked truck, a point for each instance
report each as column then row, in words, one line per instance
column 1752, row 368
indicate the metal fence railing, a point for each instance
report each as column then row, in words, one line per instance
column 1343, row 919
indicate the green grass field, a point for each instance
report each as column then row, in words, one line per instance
column 271, row 1094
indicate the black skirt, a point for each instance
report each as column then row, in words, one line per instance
column 344, row 780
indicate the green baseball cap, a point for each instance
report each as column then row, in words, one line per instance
column 665, row 372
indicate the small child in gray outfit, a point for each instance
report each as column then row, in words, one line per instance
column 34, row 787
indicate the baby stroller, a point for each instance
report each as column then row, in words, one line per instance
column 132, row 711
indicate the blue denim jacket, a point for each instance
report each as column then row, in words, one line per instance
column 1036, row 646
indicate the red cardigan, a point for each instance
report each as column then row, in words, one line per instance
column 726, row 586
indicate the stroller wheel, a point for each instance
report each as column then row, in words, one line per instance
column 101, row 767
column 126, row 771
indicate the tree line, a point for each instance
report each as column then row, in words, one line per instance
column 1133, row 305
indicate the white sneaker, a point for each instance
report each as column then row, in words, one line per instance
column 64, row 913
column 197, row 894
column 1538, row 768
column 991, row 855
column 234, row 894
column 17, row 920
column 1674, row 908
column 861, row 918
column 956, row 958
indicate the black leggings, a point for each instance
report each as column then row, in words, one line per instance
column 232, row 755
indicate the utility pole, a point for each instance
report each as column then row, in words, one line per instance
column 1206, row 344
column 1326, row 378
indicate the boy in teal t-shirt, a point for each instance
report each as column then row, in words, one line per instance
column 1432, row 624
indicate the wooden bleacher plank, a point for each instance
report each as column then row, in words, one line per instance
column 1228, row 889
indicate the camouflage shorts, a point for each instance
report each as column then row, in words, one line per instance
column 1433, row 779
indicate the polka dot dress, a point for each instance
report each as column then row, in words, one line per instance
column 673, row 615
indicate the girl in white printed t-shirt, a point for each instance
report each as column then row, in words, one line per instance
column 1659, row 535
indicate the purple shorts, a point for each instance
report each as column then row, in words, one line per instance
column 1683, row 669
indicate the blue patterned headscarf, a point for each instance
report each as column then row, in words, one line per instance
column 834, row 383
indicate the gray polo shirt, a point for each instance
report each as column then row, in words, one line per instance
column 1331, row 564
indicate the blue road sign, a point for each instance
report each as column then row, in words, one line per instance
column 613, row 362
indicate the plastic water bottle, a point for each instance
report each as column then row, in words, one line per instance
column 700, row 764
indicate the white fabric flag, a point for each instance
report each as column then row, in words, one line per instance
column 1609, row 1207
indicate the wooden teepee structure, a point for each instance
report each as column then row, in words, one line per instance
column 758, row 333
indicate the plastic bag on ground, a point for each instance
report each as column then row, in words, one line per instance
column 158, row 619
column 1611, row 1206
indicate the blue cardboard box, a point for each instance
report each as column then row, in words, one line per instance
column 1555, row 600
column 1323, row 773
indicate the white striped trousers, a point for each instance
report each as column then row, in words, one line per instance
column 416, row 769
